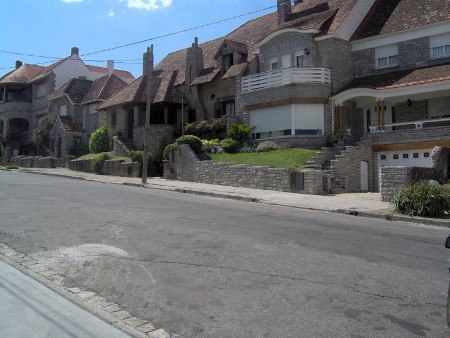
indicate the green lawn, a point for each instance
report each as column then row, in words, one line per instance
column 111, row 154
column 288, row 158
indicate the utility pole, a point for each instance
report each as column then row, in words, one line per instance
column 149, row 59
column 182, row 115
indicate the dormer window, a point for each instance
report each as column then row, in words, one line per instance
column 227, row 62
column 386, row 56
column 440, row 46
column 63, row 110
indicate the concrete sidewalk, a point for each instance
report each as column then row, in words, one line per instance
column 29, row 309
column 358, row 204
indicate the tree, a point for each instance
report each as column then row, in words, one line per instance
column 99, row 141
column 41, row 135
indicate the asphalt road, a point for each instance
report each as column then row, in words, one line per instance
column 208, row 267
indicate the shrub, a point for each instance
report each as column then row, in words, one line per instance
column 193, row 141
column 337, row 136
column 422, row 199
column 79, row 150
column 168, row 149
column 11, row 166
column 218, row 124
column 204, row 126
column 248, row 147
column 138, row 156
column 190, row 128
column 41, row 135
column 97, row 163
column 239, row 132
column 265, row 146
column 230, row 146
column 211, row 146
column 99, row 141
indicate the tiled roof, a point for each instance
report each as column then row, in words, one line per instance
column 207, row 75
column 163, row 88
column 103, row 88
column 235, row 70
column 394, row 15
column 236, row 46
column 47, row 70
column 402, row 78
column 135, row 92
column 69, row 126
column 120, row 73
column 75, row 88
column 23, row 74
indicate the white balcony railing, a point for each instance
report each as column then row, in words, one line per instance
column 285, row 76
column 411, row 125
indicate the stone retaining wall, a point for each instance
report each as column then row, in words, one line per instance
column 184, row 165
column 38, row 162
column 112, row 167
column 395, row 179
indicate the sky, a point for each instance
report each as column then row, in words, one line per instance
column 51, row 27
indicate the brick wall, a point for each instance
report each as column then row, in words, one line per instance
column 160, row 136
column 416, row 112
column 185, row 166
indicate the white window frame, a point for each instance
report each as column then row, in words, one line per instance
column 91, row 109
column 63, row 110
column 274, row 63
column 386, row 57
column 440, row 46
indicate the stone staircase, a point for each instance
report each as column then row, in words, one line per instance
column 341, row 164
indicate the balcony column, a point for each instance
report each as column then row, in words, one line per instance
column 166, row 115
column 381, row 114
column 339, row 112
column 136, row 116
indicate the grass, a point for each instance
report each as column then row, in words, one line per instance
column 111, row 154
column 288, row 158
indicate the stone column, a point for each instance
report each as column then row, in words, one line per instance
column 136, row 116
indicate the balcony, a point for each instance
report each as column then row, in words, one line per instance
column 411, row 125
column 285, row 76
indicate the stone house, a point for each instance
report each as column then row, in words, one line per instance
column 25, row 96
column 377, row 69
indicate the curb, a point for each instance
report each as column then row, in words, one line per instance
column 351, row 212
column 84, row 298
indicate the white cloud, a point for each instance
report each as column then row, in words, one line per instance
column 68, row 1
column 148, row 5
column 111, row 13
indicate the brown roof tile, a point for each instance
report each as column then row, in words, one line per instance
column 389, row 16
column 118, row 72
column 206, row 76
column 103, row 88
column 23, row 74
column 163, row 88
column 402, row 78
column 69, row 126
column 75, row 88
column 235, row 70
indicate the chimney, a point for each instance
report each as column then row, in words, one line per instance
column 74, row 51
column 284, row 10
column 144, row 64
column 194, row 62
column 18, row 64
column 110, row 66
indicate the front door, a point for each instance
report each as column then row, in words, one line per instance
column 130, row 123
column 364, row 176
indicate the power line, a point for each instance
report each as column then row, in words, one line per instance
column 182, row 30
column 145, row 40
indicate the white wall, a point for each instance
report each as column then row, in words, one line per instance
column 421, row 161
column 308, row 116
column 270, row 119
column 73, row 67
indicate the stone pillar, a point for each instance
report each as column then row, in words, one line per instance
column 136, row 116
column 166, row 115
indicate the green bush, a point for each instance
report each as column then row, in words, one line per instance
column 218, row 124
column 239, row 132
column 138, row 156
column 79, row 150
column 97, row 163
column 230, row 146
column 337, row 136
column 422, row 199
column 190, row 128
column 193, row 141
column 11, row 166
column 168, row 149
column 204, row 126
column 99, row 141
